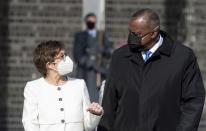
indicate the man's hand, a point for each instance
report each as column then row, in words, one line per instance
column 95, row 109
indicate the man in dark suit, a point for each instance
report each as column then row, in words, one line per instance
column 92, row 51
column 154, row 83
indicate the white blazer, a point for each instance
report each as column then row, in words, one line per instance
column 57, row 108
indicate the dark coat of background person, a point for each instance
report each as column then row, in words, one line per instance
column 164, row 94
column 91, row 59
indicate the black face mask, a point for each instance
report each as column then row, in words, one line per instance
column 134, row 42
column 90, row 25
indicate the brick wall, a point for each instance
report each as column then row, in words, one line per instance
column 184, row 20
column 24, row 23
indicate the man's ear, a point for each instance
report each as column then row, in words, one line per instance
column 155, row 35
column 156, row 32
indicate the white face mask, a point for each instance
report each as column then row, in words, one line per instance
column 65, row 66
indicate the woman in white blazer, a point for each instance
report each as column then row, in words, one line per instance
column 57, row 102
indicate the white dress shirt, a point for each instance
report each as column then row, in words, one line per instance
column 154, row 48
column 93, row 32
column 57, row 108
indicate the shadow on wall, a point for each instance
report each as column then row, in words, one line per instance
column 3, row 63
column 175, row 19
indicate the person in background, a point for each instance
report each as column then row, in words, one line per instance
column 154, row 84
column 57, row 102
column 92, row 50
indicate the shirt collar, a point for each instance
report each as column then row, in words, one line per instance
column 154, row 48
column 92, row 32
column 157, row 45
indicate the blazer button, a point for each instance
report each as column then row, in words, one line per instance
column 61, row 109
column 59, row 88
column 60, row 99
column 62, row 121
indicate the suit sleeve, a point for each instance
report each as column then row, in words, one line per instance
column 108, row 46
column 109, row 102
column 193, row 96
column 79, row 49
column 30, row 112
column 90, row 120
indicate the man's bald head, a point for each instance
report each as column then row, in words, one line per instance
column 148, row 16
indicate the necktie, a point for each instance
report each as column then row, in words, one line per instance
column 147, row 55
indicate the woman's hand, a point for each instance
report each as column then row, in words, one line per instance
column 95, row 109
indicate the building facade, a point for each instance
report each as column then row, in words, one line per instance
column 25, row 23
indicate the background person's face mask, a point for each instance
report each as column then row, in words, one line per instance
column 65, row 66
column 90, row 25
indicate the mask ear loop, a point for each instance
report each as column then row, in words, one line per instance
column 156, row 28
column 47, row 64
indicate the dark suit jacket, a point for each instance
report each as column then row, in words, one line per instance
column 81, row 56
column 164, row 94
